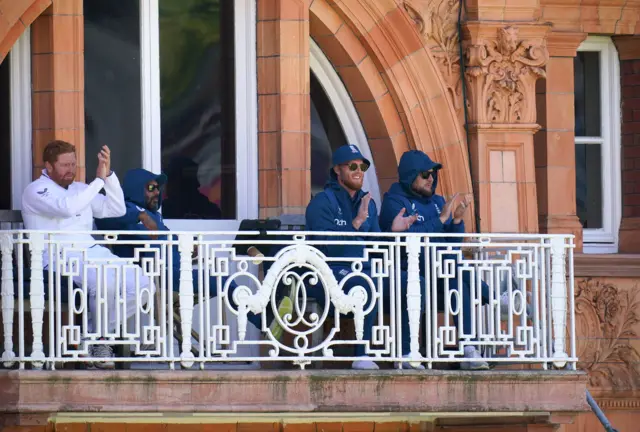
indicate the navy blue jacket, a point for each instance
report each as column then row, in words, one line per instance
column 401, row 196
column 133, row 187
column 325, row 214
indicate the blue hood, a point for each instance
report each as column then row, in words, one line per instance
column 134, row 183
column 413, row 163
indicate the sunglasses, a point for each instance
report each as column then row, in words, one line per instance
column 354, row 166
column 153, row 187
column 427, row 174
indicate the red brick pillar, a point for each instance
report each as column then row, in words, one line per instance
column 554, row 144
column 284, row 112
column 629, row 51
column 57, row 46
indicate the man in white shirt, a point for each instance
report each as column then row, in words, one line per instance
column 55, row 202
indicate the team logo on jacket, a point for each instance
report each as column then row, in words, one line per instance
column 414, row 211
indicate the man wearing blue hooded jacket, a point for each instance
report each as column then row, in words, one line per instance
column 344, row 207
column 143, row 198
column 431, row 213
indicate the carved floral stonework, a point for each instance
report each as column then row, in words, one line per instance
column 608, row 318
column 501, row 76
column 436, row 21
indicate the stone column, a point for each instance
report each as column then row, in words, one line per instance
column 629, row 52
column 284, row 112
column 57, row 46
column 503, row 64
column 555, row 153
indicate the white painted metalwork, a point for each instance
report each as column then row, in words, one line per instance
column 528, row 315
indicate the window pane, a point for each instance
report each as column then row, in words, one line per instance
column 5, row 136
column 589, row 185
column 587, row 93
column 112, row 83
column 197, row 108
column 326, row 135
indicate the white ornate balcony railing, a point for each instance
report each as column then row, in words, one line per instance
column 46, row 318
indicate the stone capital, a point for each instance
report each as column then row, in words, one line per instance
column 564, row 44
column 502, row 67
column 628, row 47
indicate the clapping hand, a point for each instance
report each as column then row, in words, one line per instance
column 104, row 163
column 401, row 223
column 461, row 209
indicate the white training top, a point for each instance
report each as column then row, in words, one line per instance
column 50, row 207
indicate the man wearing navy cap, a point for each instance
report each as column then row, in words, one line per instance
column 344, row 207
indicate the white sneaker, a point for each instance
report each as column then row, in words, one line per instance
column 102, row 351
column 473, row 353
column 409, row 365
column 364, row 363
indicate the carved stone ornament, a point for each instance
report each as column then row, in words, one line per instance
column 436, row 21
column 607, row 318
column 501, row 76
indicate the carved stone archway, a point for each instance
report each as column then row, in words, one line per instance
column 400, row 94
column 17, row 16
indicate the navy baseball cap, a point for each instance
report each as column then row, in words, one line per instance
column 346, row 153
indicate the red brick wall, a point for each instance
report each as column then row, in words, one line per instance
column 630, row 95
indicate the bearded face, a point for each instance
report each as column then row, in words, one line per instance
column 351, row 174
column 423, row 184
column 63, row 170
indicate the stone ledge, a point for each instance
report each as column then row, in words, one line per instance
column 291, row 391
column 609, row 265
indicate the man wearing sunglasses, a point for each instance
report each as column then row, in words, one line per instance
column 143, row 199
column 428, row 212
column 344, row 207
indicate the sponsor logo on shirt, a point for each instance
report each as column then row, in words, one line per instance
column 437, row 208
column 43, row 193
column 340, row 222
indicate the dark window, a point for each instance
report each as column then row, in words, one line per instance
column 5, row 135
column 197, row 94
column 587, row 93
column 112, row 83
column 326, row 135
column 589, row 185
column 198, row 110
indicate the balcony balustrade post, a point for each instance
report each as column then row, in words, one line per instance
column 6, row 248
column 185, row 246
column 559, row 300
column 36, row 297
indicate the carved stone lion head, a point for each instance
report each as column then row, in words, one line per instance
column 507, row 40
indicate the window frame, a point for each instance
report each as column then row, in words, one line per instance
column 21, row 123
column 346, row 112
column 605, row 239
column 246, row 96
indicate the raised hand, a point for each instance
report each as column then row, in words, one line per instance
column 401, row 223
column 363, row 212
column 448, row 208
column 104, row 163
column 461, row 209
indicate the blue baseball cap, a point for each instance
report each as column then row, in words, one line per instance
column 346, row 153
